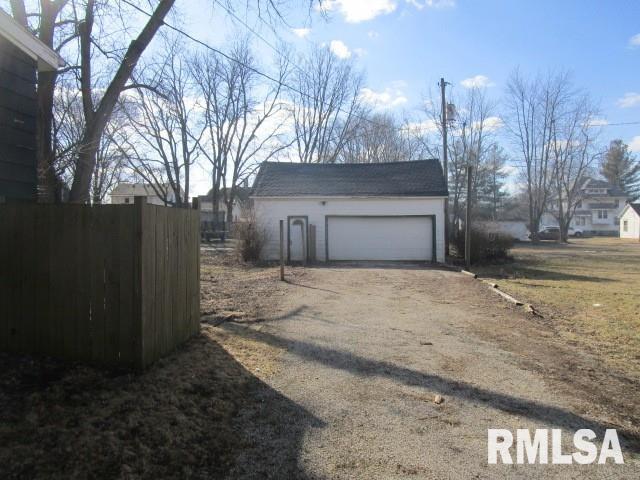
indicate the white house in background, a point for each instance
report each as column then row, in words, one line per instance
column 240, row 208
column 125, row 193
column 374, row 211
column 598, row 211
column 630, row 221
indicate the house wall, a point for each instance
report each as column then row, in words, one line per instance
column 269, row 211
column 120, row 199
column 633, row 225
column 586, row 218
column 18, row 177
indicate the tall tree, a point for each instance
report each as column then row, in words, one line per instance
column 621, row 168
column 325, row 103
column 573, row 153
column 492, row 181
column 166, row 139
column 533, row 107
column 243, row 120
column 97, row 115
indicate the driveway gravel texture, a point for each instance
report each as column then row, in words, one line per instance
column 366, row 348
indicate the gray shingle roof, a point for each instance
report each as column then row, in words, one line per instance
column 420, row 178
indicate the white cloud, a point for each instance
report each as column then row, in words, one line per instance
column 431, row 3
column 339, row 49
column 355, row 11
column 479, row 81
column 630, row 99
column 493, row 123
column 301, row 32
column 634, row 144
column 359, row 52
column 597, row 122
column 635, row 41
column 390, row 97
column 372, row 34
column 427, row 126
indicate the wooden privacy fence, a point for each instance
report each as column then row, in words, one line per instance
column 113, row 284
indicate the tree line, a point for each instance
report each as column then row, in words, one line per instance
column 111, row 114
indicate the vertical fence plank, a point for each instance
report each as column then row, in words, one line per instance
column 112, row 288
column 97, row 273
column 83, row 275
column 148, row 285
column 128, row 282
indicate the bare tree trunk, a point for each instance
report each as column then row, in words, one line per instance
column 95, row 127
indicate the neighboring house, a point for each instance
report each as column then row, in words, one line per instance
column 630, row 221
column 126, row 192
column 240, row 208
column 21, row 56
column 374, row 211
column 598, row 211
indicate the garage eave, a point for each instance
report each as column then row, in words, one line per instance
column 343, row 197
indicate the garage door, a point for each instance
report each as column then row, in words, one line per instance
column 379, row 238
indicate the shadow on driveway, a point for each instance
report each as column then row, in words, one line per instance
column 365, row 367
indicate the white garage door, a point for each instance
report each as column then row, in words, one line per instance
column 379, row 238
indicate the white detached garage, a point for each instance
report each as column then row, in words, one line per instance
column 374, row 211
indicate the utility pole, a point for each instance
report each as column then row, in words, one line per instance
column 467, row 222
column 445, row 165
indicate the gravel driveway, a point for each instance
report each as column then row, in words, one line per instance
column 367, row 349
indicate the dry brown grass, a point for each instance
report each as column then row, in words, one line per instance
column 590, row 289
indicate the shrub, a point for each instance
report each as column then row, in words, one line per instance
column 250, row 240
column 485, row 245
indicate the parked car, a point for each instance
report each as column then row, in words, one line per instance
column 548, row 233
column 575, row 232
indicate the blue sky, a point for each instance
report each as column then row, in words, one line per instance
column 405, row 46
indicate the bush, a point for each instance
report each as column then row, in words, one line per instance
column 250, row 240
column 485, row 245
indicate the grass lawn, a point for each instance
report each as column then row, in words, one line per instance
column 589, row 289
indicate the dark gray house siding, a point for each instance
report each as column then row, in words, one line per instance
column 18, row 109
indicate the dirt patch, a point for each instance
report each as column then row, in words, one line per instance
column 180, row 419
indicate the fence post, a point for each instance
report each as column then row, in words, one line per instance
column 195, row 203
column 282, row 250
column 467, row 223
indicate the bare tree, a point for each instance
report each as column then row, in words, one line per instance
column 325, row 103
column 532, row 107
column 243, row 120
column 471, row 138
column 165, row 139
column 573, row 154
column 378, row 138
column 68, row 127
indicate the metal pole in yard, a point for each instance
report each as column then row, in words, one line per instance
column 282, row 250
column 467, row 223
column 445, row 163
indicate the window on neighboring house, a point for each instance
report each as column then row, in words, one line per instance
column 603, row 214
column 126, row 200
column 579, row 204
column 617, row 203
column 625, row 226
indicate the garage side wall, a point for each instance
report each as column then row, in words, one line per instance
column 269, row 211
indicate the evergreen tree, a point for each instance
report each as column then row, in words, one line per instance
column 621, row 168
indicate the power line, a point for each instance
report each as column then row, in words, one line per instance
column 414, row 128
column 255, row 70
